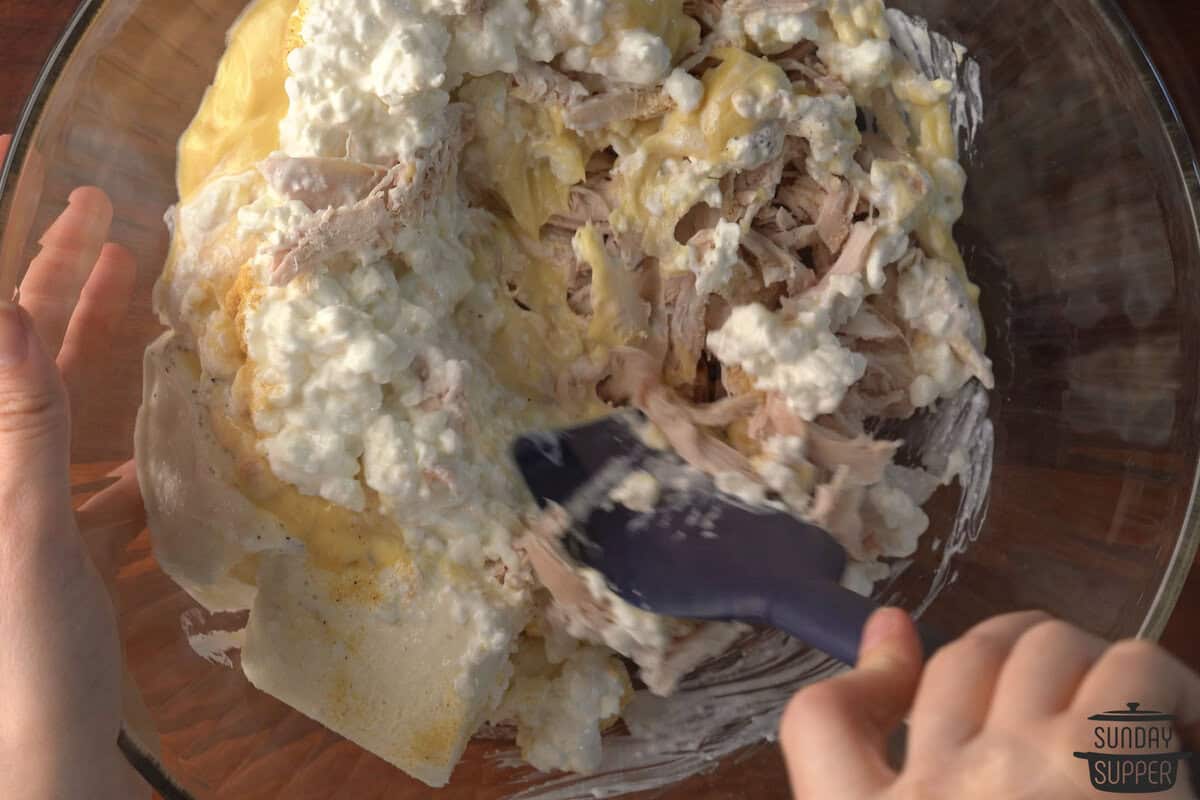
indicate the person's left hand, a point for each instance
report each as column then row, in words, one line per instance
column 61, row 671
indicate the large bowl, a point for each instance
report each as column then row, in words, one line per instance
column 1080, row 227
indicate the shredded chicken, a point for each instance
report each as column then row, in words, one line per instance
column 795, row 238
column 756, row 188
column 588, row 616
column 579, row 380
column 837, row 508
column 686, row 329
column 635, row 377
column 773, row 6
column 804, row 198
column 320, row 183
column 590, row 202
column 557, row 571
column 864, row 458
column 708, row 12
column 777, row 264
column 618, row 105
column 836, row 215
column 538, row 83
column 857, row 250
column 716, row 38
column 402, row 197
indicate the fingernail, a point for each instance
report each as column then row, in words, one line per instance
column 14, row 336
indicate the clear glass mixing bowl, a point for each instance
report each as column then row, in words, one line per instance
column 1080, row 228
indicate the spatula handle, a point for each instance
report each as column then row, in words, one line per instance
column 831, row 618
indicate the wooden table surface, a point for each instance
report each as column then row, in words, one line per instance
column 29, row 28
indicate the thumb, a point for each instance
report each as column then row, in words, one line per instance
column 34, row 425
column 834, row 733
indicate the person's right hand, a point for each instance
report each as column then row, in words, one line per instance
column 999, row 713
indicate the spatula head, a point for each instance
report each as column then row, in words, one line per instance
column 698, row 553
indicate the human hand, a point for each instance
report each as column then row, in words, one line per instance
column 61, row 669
column 998, row 713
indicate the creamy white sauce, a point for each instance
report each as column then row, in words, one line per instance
column 800, row 359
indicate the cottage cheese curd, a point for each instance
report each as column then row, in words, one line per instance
column 800, row 359
column 411, row 230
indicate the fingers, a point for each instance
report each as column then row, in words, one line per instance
column 1044, row 672
column 1137, row 671
column 834, row 733
column 33, row 414
column 5, row 141
column 36, row 526
column 111, row 520
column 102, row 305
column 956, row 690
column 58, row 273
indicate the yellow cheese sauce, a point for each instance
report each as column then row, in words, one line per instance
column 854, row 23
column 614, row 290
column 663, row 18
column 533, row 346
column 336, row 538
column 525, row 152
column 238, row 122
column 700, row 134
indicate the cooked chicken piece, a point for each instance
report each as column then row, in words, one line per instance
column 401, row 198
column 836, row 216
column 777, row 264
column 699, row 221
column 589, row 202
column 803, row 197
column 836, row 507
column 542, row 545
column 802, row 52
column 778, row 216
column 852, row 260
column 796, row 239
column 864, row 458
column 756, row 188
column 588, row 616
column 883, row 390
column 857, row 250
column 774, row 6
column 538, row 84
column 979, row 364
column 870, row 325
column 711, row 41
column 708, row 12
column 636, row 379
column 579, row 381
column 320, row 183
column 685, row 331
column 617, row 105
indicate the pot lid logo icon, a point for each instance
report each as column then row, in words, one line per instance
column 1134, row 751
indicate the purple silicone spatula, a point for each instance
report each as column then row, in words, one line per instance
column 698, row 552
